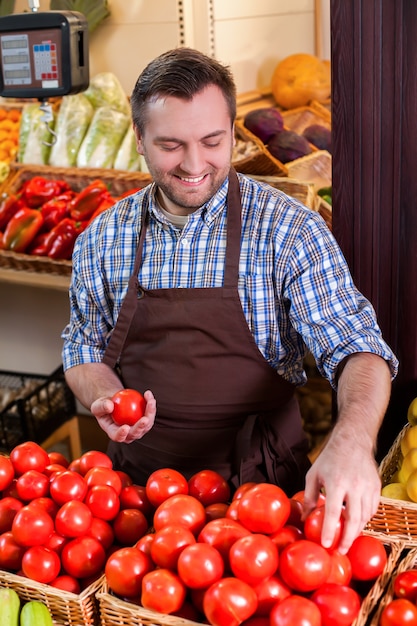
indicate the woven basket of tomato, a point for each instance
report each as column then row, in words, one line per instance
column 43, row 209
column 254, row 560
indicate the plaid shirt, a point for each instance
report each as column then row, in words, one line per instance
column 294, row 284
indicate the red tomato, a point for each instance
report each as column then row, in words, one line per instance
column 41, row 564
column 55, row 542
column 269, row 592
column 103, row 476
column 253, row 558
column 295, row 611
column 216, row 510
column 264, row 508
column 94, row 458
column 340, row 569
column 11, row 553
column 73, row 519
column 129, row 526
column 163, row 591
column 47, row 504
column 368, row 557
column 66, row 583
column 32, row 484
column 28, row 455
column 313, row 525
column 6, row 472
column 339, row 605
column 9, row 506
column 145, row 543
column 399, row 612
column 103, row 502
column 32, row 526
column 164, row 483
column 67, row 486
column 222, row 534
column 209, row 487
column 83, row 557
column 295, row 517
column 242, row 489
column 129, row 407
column 125, row 569
column 134, row 497
column 53, row 468
column 168, row 543
column 229, row 602
column 287, row 534
column 180, row 509
column 321, row 500
column 304, row 565
column 232, row 510
column 59, row 458
column 103, row 531
column 11, row 490
column 124, row 478
column 405, row 585
column 200, row 565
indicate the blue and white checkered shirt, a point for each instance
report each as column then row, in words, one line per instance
column 294, row 283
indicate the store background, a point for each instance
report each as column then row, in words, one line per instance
column 249, row 36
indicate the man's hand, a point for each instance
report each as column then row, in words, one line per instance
column 349, row 478
column 102, row 409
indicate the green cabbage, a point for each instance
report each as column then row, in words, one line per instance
column 105, row 90
column 73, row 120
column 35, row 137
column 127, row 157
column 103, row 138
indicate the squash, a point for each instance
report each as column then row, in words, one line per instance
column 300, row 78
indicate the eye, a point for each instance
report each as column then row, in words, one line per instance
column 169, row 147
column 212, row 143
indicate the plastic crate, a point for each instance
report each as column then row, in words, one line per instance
column 32, row 406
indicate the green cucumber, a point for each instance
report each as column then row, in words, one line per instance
column 9, row 607
column 35, row 613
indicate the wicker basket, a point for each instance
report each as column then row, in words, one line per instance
column 314, row 168
column 300, row 118
column 325, row 210
column 298, row 189
column 262, row 162
column 370, row 602
column 113, row 610
column 396, row 519
column 324, row 108
column 65, row 607
column 118, row 182
column 409, row 561
column 251, row 100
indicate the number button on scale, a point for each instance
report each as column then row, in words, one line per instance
column 46, row 62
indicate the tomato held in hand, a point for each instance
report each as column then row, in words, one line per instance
column 129, row 407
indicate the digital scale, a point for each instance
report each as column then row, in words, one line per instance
column 43, row 54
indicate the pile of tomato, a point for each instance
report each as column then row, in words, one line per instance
column 401, row 609
column 182, row 547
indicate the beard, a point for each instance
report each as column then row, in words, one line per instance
column 189, row 199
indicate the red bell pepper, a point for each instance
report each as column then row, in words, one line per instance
column 56, row 209
column 62, row 238
column 86, row 202
column 38, row 190
column 22, row 229
column 107, row 201
column 10, row 204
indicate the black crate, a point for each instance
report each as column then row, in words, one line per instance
column 32, row 406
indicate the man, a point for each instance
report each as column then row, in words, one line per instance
column 202, row 291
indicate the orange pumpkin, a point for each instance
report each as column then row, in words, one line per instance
column 300, row 78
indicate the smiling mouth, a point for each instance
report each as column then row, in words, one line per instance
column 194, row 180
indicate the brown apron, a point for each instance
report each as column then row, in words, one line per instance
column 220, row 405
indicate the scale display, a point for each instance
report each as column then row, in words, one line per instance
column 42, row 48
column 43, row 54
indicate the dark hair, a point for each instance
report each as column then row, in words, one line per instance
column 182, row 73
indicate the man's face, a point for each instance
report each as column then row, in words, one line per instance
column 188, row 147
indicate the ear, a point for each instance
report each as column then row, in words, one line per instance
column 233, row 135
column 139, row 146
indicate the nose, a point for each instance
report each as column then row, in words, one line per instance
column 193, row 161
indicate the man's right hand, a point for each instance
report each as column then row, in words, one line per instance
column 102, row 409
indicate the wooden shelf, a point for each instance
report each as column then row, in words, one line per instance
column 35, row 279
